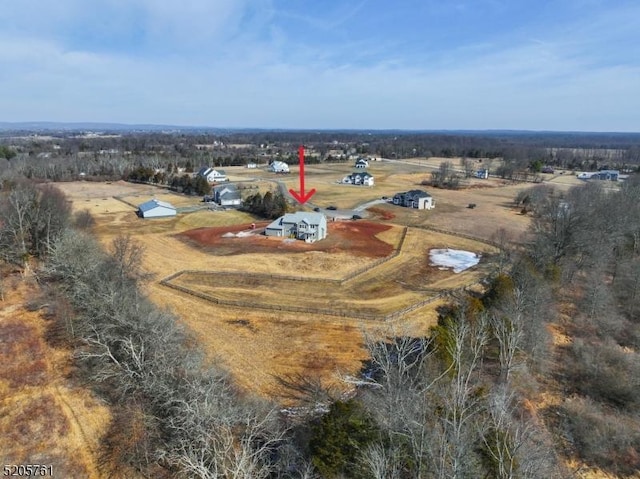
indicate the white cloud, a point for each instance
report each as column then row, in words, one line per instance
column 243, row 71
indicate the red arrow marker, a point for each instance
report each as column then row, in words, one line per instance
column 301, row 197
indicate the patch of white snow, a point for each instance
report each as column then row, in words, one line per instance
column 456, row 259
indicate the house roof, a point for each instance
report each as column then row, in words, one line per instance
column 298, row 217
column 418, row 193
column 221, row 188
column 207, row 170
column 279, row 164
column 154, row 203
column 307, row 217
column 276, row 224
column 230, row 195
column 362, row 174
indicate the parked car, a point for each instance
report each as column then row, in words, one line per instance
column 356, row 217
column 332, row 208
column 316, row 209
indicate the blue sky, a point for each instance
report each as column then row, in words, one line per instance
column 369, row 64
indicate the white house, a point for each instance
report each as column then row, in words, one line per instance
column 362, row 179
column 252, row 165
column 309, row 227
column 156, row 209
column 414, row 199
column 279, row 167
column 212, row 175
column 362, row 163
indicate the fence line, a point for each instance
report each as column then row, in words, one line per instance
column 328, row 312
column 460, row 235
column 266, row 276
column 125, row 202
column 396, row 252
column 270, row 307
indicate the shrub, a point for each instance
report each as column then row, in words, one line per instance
column 339, row 435
column 604, row 439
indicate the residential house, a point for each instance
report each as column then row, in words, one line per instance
column 212, row 175
column 156, row 209
column 359, row 178
column 252, row 165
column 414, row 199
column 362, row 163
column 227, row 195
column 309, row 227
column 607, row 175
column 279, row 167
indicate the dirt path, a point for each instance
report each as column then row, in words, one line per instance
column 88, row 450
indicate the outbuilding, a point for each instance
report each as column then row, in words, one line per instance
column 156, row 209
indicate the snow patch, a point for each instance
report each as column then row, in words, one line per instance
column 456, row 259
column 239, row 234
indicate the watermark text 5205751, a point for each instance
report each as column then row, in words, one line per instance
column 27, row 470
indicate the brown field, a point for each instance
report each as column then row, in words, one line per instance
column 359, row 238
column 260, row 347
column 397, row 284
column 44, row 418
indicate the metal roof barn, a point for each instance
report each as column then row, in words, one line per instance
column 156, row 209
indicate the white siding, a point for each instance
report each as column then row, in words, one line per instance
column 159, row 212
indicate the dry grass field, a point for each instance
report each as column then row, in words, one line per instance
column 44, row 418
column 493, row 197
column 394, row 285
column 260, row 347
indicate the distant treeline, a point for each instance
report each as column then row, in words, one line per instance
column 171, row 159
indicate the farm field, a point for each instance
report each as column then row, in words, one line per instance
column 263, row 348
column 399, row 283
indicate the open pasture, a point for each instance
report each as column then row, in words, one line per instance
column 387, row 288
column 261, row 347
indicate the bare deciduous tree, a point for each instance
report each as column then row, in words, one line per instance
column 461, row 404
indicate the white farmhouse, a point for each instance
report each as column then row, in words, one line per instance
column 309, row 227
column 362, row 163
column 279, row 167
column 362, row 179
column 156, row 209
column 212, row 175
